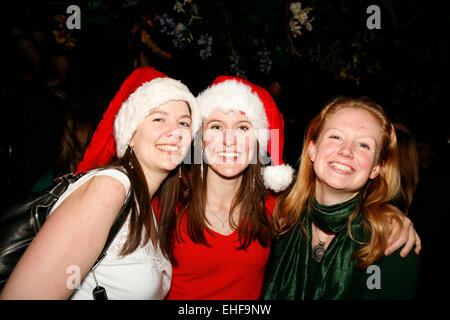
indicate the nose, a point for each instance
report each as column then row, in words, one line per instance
column 174, row 130
column 346, row 150
column 229, row 138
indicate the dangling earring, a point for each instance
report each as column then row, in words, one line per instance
column 253, row 183
column 179, row 171
column 130, row 162
column 201, row 164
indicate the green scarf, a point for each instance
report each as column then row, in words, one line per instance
column 292, row 273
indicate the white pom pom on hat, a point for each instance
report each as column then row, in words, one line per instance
column 235, row 94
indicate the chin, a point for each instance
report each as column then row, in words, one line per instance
column 229, row 171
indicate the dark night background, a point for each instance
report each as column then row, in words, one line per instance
column 403, row 66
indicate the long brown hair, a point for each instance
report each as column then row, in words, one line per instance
column 141, row 223
column 253, row 222
column 375, row 195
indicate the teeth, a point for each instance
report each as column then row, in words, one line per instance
column 339, row 166
column 168, row 148
column 228, row 154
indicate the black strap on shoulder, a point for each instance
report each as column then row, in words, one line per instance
column 117, row 225
column 62, row 183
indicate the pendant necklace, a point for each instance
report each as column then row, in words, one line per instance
column 318, row 250
column 223, row 223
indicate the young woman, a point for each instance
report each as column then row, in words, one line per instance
column 334, row 223
column 148, row 126
column 222, row 238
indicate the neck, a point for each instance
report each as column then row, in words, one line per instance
column 221, row 191
column 154, row 180
column 328, row 196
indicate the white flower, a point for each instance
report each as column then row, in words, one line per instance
column 302, row 17
column 295, row 28
column 295, row 7
column 180, row 27
column 178, row 7
column 308, row 26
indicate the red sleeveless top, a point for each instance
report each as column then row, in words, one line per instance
column 221, row 271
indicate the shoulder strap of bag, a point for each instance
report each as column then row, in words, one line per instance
column 117, row 225
column 62, row 186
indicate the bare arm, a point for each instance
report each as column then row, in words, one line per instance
column 73, row 235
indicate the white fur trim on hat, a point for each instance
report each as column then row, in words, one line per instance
column 148, row 96
column 232, row 95
column 278, row 178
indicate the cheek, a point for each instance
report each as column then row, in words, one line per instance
column 324, row 150
column 211, row 137
column 186, row 135
column 250, row 145
column 367, row 161
column 210, row 142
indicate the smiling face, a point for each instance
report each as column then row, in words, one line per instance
column 162, row 140
column 229, row 142
column 345, row 154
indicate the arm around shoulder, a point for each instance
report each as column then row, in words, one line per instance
column 71, row 239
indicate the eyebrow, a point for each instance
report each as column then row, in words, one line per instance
column 221, row 121
column 214, row 120
column 245, row 121
column 363, row 137
column 166, row 114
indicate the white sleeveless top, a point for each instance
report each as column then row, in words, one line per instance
column 143, row 274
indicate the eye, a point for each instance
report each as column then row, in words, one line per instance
column 364, row 146
column 334, row 137
column 185, row 124
column 216, row 127
column 158, row 120
column 243, row 128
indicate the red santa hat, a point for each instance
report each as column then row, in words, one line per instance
column 235, row 94
column 143, row 90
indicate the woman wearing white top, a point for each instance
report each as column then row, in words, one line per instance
column 149, row 126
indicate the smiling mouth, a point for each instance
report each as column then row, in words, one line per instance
column 167, row 148
column 228, row 156
column 341, row 168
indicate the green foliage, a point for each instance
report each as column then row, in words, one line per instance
column 254, row 36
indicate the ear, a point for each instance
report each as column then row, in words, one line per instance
column 312, row 150
column 375, row 171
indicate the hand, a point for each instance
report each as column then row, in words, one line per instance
column 406, row 236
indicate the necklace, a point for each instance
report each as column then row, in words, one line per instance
column 318, row 250
column 223, row 222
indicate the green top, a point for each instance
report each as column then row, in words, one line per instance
column 398, row 277
column 292, row 273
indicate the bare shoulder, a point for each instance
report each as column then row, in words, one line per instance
column 102, row 196
column 103, row 187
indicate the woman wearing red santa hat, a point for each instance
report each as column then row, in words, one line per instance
column 221, row 241
column 149, row 127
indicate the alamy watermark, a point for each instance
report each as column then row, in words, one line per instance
column 74, row 20
column 374, row 20
column 374, row 280
column 74, row 279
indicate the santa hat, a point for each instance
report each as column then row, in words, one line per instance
column 143, row 90
column 235, row 94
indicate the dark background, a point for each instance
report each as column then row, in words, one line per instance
column 403, row 66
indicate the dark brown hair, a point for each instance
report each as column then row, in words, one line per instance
column 253, row 222
column 141, row 221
